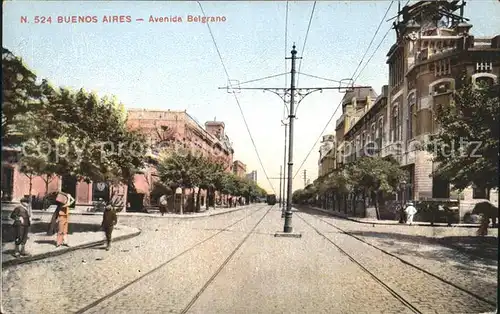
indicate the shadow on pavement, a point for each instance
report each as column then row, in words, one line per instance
column 314, row 212
column 480, row 247
column 42, row 227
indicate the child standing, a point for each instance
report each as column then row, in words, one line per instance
column 109, row 220
column 22, row 222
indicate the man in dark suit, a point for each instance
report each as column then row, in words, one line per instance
column 22, row 222
column 109, row 220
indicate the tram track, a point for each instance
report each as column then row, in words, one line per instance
column 397, row 295
column 163, row 264
column 224, row 263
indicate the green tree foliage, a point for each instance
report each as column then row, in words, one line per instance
column 466, row 144
column 188, row 170
column 20, row 98
column 62, row 132
column 375, row 176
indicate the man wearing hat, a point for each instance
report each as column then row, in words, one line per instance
column 22, row 221
column 410, row 212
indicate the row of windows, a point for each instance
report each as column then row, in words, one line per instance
column 441, row 93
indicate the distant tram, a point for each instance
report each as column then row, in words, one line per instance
column 271, row 199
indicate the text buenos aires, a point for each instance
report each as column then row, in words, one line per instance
column 94, row 19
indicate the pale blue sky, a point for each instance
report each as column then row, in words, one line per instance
column 176, row 66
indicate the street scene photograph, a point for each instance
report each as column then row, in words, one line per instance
column 250, row 157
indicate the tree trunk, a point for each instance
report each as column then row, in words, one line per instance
column 364, row 203
column 198, row 205
column 344, row 197
column 207, row 198
column 376, row 206
column 181, row 208
column 31, row 198
column 47, row 181
column 353, row 202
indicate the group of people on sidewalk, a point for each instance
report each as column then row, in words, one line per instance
column 59, row 223
column 408, row 212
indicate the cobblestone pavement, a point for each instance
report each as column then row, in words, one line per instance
column 74, row 280
column 265, row 275
column 426, row 293
column 420, row 246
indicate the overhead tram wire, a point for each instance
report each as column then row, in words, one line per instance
column 369, row 59
column 380, row 43
column 264, row 78
column 373, row 38
column 340, row 103
column 237, row 100
column 327, row 79
column 305, row 41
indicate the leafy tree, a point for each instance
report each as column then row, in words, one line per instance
column 375, row 176
column 20, row 98
column 85, row 136
column 466, row 144
column 180, row 170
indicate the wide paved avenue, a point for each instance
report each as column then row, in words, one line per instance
column 233, row 263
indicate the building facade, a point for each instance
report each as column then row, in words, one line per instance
column 252, row 176
column 326, row 162
column 163, row 128
column 170, row 129
column 239, row 169
column 433, row 51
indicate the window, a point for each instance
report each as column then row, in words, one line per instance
column 440, row 188
column 481, row 80
column 442, row 67
column 484, row 66
column 412, row 116
column 395, row 124
column 380, row 131
column 479, row 193
column 442, row 88
column 485, row 81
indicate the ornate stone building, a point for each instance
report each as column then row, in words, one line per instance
column 434, row 49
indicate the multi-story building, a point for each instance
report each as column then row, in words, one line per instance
column 355, row 104
column 252, row 176
column 366, row 136
column 327, row 150
column 434, row 49
column 162, row 127
column 178, row 129
column 239, row 169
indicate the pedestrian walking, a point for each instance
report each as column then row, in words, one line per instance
column 109, row 221
column 22, row 221
column 63, row 219
column 410, row 211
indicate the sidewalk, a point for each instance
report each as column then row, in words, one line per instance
column 211, row 212
column 40, row 245
column 386, row 222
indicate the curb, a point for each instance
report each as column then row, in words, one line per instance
column 392, row 224
column 28, row 259
column 131, row 214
